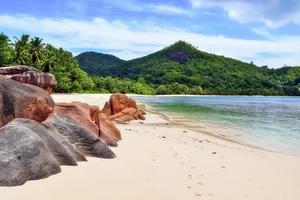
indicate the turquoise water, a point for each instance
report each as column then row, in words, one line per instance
column 269, row 122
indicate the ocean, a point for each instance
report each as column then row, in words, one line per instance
column 272, row 123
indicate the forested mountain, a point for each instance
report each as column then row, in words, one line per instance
column 96, row 63
column 181, row 68
column 178, row 69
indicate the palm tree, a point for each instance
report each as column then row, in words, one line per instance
column 49, row 58
column 5, row 50
column 36, row 47
column 22, row 46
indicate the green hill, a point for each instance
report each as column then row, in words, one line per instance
column 181, row 68
column 98, row 63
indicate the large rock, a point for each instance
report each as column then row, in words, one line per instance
column 62, row 149
column 84, row 140
column 109, row 133
column 31, row 150
column 122, row 109
column 128, row 114
column 18, row 69
column 24, row 156
column 119, row 102
column 79, row 114
column 23, row 101
column 107, row 109
column 91, row 110
column 29, row 75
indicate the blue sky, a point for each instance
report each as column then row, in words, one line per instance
column 266, row 32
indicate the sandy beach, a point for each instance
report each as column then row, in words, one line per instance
column 157, row 160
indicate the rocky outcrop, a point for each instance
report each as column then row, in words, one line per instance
column 37, row 136
column 80, row 115
column 30, row 150
column 120, row 102
column 62, row 149
column 120, row 108
column 84, row 140
column 127, row 115
column 179, row 57
column 107, row 108
column 18, row 69
column 24, row 156
column 29, row 75
column 109, row 133
column 90, row 110
column 90, row 117
column 23, row 101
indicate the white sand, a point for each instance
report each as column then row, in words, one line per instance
column 157, row 161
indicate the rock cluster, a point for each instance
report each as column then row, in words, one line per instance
column 23, row 101
column 179, row 57
column 122, row 109
column 29, row 75
column 37, row 135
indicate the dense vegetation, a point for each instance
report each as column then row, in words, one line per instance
column 183, row 69
column 95, row 63
column 45, row 57
column 178, row 69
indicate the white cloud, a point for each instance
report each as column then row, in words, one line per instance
column 272, row 13
column 262, row 32
column 172, row 10
column 135, row 6
column 129, row 40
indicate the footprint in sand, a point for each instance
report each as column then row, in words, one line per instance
column 200, row 183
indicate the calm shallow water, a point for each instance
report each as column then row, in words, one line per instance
column 269, row 122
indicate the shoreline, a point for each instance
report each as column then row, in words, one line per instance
column 168, row 117
column 210, row 133
column 228, row 138
column 157, row 160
